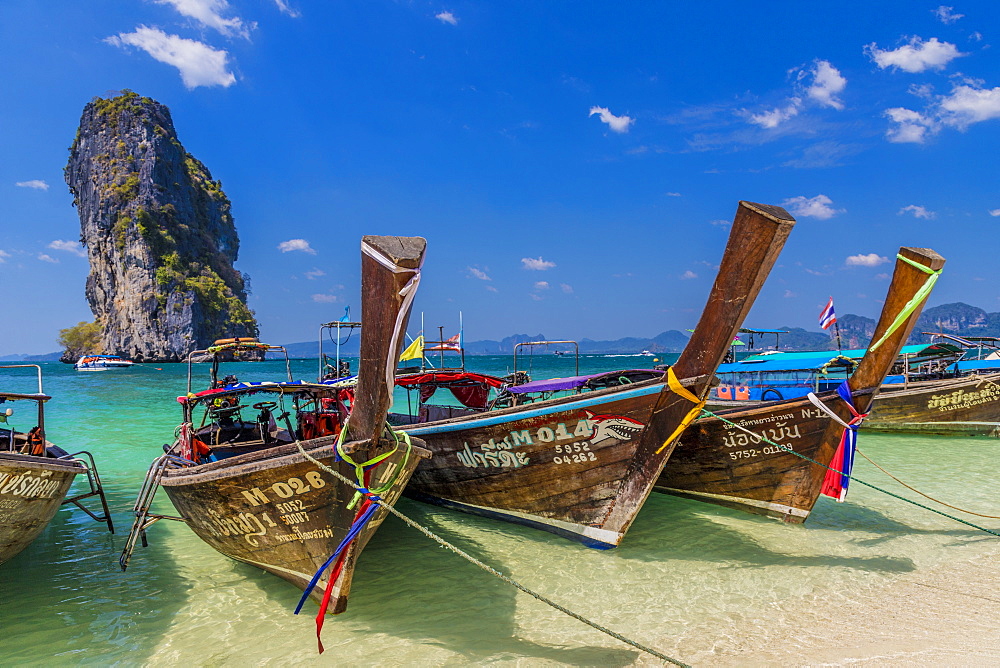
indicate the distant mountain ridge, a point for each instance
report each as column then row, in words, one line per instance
column 855, row 332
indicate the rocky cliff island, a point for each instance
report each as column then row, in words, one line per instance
column 159, row 235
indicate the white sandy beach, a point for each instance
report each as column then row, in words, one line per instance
column 949, row 615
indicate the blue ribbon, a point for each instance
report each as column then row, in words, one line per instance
column 351, row 535
column 850, row 439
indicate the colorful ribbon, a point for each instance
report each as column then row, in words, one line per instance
column 681, row 391
column 914, row 303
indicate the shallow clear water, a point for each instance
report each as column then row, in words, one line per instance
column 688, row 577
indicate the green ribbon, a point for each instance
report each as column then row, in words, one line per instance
column 914, row 303
column 359, row 468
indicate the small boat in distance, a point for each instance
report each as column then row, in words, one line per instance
column 102, row 363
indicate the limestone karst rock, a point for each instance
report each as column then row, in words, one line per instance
column 159, row 234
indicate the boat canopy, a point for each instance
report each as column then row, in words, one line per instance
column 915, row 351
column 471, row 389
column 975, row 365
column 283, row 387
column 793, row 362
column 591, row 381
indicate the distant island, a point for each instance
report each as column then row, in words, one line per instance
column 855, row 331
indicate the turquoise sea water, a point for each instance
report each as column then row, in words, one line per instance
column 688, row 578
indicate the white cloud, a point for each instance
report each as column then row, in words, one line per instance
column 789, row 294
column 68, row 246
column 198, row 63
column 534, row 296
column 916, row 56
column 967, row 105
column 616, row 123
column 778, row 115
column 811, row 207
column 912, row 127
column 567, row 288
column 447, row 17
column 491, row 288
column 209, row 14
column 542, row 285
column 536, row 264
column 296, row 245
column 917, row 211
column 688, row 275
column 995, row 212
column 285, row 9
column 47, row 258
column 315, row 273
column 325, row 298
column 673, row 194
column 478, row 273
column 720, row 222
column 36, row 184
column 827, row 84
column 882, row 276
column 870, row 260
column 946, row 15
column 3, row 256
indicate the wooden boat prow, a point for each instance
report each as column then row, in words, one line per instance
column 581, row 467
column 720, row 463
column 277, row 498
column 279, row 511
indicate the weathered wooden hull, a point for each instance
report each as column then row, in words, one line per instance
column 718, row 463
column 278, row 511
column 31, row 491
column 968, row 406
column 560, row 465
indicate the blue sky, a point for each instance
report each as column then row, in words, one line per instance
column 572, row 165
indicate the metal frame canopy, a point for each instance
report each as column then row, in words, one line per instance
column 576, row 346
column 235, row 346
column 338, row 325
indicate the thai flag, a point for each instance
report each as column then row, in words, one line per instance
column 827, row 317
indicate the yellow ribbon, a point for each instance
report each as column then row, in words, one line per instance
column 681, row 391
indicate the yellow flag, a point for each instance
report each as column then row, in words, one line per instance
column 415, row 350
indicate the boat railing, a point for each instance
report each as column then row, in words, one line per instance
column 143, row 518
column 37, row 368
column 96, row 488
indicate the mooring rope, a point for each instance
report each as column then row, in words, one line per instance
column 789, row 449
column 489, row 569
column 926, row 496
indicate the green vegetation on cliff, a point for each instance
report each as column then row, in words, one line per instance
column 81, row 339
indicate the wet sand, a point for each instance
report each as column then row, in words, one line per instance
column 948, row 615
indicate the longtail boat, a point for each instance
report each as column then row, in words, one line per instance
column 964, row 406
column 582, row 466
column 36, row 475
column 749, row 458
column 261, row 491
column 935, row 388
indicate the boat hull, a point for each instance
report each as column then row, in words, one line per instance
column 278, row 511
column 31, row 491
column 561, row 467
column 719, row 463
column 968, row 406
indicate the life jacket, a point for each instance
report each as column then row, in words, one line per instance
column 36, row 442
